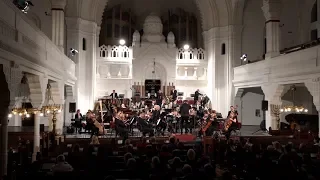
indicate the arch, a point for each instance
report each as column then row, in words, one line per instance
column 35, row 19
column 212, row 13
column 160, row 71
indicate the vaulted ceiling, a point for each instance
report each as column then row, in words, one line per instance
column 213, row 13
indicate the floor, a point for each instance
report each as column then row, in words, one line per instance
column 246, row 131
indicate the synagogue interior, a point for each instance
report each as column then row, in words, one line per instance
column 150, row 89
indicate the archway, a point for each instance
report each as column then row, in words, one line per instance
column 155, row 70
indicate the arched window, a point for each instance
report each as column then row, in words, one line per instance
column 84, row 44
column 223, row 49
column 314, row 13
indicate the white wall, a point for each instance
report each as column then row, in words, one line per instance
column 253, row 30
column 250, row 103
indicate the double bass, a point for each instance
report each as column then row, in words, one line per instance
column 229, row 121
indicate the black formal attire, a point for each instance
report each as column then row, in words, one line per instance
column 114, row 95
column 77, row 120
column 174, row 95
column 184, row 111
column 121, row 129
column 159, row 98
column 196, row 96
column 233, row 126
column 145, row 127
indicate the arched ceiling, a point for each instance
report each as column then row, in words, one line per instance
column 213, row 13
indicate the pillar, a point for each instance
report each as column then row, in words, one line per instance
column 58, row 23
column 238, row 101
column 195, row 72
column 185, row 72
column 36, row 136
column 10, row 78
column 130, row 70
column 272, row 94
column 313, row 86
column 272, row 10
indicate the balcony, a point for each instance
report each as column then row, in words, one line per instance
column 286, row 68
column 20, row 37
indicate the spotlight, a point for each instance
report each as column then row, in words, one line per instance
column 27, row 115
column 73, row 52
column 244, row 57
column 23, row 5
column 122, row 42
column 186, row 47
column 9, row 115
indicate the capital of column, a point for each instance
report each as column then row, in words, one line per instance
column 58, row 4
column 313, row 86
column 272, row 9
column 273, row 92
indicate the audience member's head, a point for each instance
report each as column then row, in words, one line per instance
column 172, row 140
column 131, row 163
column 191, row 154
column 127, row 156
column 152, row 140
column 127, row 142
column 209, row 170
column 187, row 169
column 76, row 148
column 155, row 162
column 61, row 159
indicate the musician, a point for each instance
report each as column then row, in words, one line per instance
column 184, row 111
column 212, row 119
column 174, row 94
column 196, row 96
column 144, row 126
column 163, row 104
column 78, row 118
column 159, row 97
column 121, row 127
column 174, row 118
column 90, row 123
column 156, row 113
column 78, row 115
column 233, row 109
column 232, row 118
column 114, row 95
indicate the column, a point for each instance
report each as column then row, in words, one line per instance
column 195, row 72
column 130, row 70
column 4, row 140
column 58, row 23
column 177, row 72
column 313, row 86
column 272, row 94
column 36, row 136
column 185, row 72
column 272, row 10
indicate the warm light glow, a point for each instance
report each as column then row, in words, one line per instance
column 9, row 115
column 41, row 114
column 306, row 110
column 14, row 113
column 281, row 110
column 122, row 42
column 59, row 111
column 186, row 47
column 48, row 111
column 20, row 114
column 27, row 115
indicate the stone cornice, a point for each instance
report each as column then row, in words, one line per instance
column 78, row 24
column 272, row 9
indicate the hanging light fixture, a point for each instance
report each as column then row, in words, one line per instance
column 293, row 108
column 50, row 107
column 22, row 110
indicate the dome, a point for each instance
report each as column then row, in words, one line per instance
column 153, row 19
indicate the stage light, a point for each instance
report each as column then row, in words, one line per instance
column 244, row 57
column 186, row 47
column 122, row 42
column 23, row 5
column 73, row 52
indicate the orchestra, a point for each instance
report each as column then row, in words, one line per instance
column 157, row 117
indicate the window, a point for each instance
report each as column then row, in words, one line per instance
column 84, row 44
column 314, row 13
column 314, row 34
column 223, row 49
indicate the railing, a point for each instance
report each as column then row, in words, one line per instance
column 190, row 56
column 115, row 53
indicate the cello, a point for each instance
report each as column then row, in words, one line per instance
column 213, row 115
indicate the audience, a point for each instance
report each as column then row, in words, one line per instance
column 230, row 160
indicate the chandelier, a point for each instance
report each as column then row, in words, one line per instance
column 23, row 110
column 293, row 108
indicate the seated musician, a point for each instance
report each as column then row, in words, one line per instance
column 121, row 127
column 232, row 118
column 210, row 123
column 163, row 104
column 89, row 122
column 144, row 126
